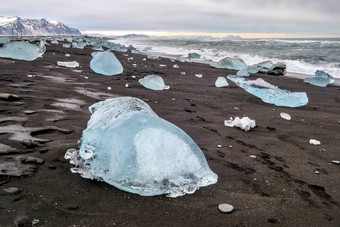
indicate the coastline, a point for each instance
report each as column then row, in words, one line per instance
column 279, row 186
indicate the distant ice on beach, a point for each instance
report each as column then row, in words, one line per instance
column 244, row 123
column 105, row 63
column 153, row 82
column 321, row 79
column 270, row 93
column 128, row 146
column 22, row 50
column 68, row 64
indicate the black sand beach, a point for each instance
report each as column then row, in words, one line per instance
column 289, row 183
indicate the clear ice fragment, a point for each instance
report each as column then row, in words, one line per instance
column 153, row 82
column 105, row 63
column 193, row 56
column 243, row 72
column 314, row 142
column 22, row 50
column 321, row 79
column 270, row 93
column 285, row 116
column 68, row 64
column 232, row 63
column 221, row 82
column 244, row 123
column 154, row 57
column 136, row 151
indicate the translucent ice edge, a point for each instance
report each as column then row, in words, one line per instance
column 270, row 93
column 22, row 50
column 128, row 146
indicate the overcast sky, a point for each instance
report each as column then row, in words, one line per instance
column 292, row 17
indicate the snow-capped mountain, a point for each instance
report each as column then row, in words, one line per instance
column 34, row 27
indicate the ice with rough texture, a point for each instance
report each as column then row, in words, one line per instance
column 244, row 123
column 106, row 63
column 68, row 64
column 232, row 63
column 193, row 56
column 277, row 69
column 153, row 82
column 270, row 93
column 22, row 50
column 314, row 142
column 243, row 72
column 128, row 146
column 154, row 57
column 321, row 79
column 221, row 82
column 4, row 40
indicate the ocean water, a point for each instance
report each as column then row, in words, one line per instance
column 302, row 56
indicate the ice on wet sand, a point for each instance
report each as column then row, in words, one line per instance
column 244, row 123
column 321, row 79
column 68, row 64
column 22, row 50
column 106, row 63
column 221, row 82
column 153, row 82
column 128, row 146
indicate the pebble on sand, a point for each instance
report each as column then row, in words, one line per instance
column 225, row 208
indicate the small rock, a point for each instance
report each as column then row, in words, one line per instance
column 52, row 167
column 21, row 220
column 252, row 156
column 11, row 190
column 236, row 108
column 31, row 160
column 29, row 143
column 225, row 208
column 336, row 162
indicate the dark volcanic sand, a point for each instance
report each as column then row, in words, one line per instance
column 278, row 187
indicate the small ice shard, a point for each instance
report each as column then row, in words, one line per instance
column 199, row 75
column 221, row 82
column 54, row 42
column 109, row 88
column 321, row 79
column 153, row 82
column 106, row 63
column 135, row 51
column 176, row 66
column 178, row 59
column 243, row 72
column 136, row 151
column 67, row 55
column 154, row 57
column 127, row 85
column 314, row 142
column 182, row 73
column 270, row 93
column 285, row 116
column 193, row 56
column 336, row 162
column 232, row 63
column 66, row 45
column 22, row 50
column 68, row 64
column 244, row 123
column 162, row 66
column 79, row 45
column 225, row 208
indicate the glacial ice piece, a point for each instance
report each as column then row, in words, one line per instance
column 106, row 63
column 153, row 82
column 146, row 49
column 193, row 56
column 270, row 93
column 154, row 57
column 135, row 51
column 221, row 82
column 4, row 40
column 54, row 42
column 243, row 72
column 66, row 45
column 232, row 63
column 244, row 123
column 79, row 45
column 128, row 146
column 314, row 142
column 277, row 69
column 97, row 48
column 22, row 50
column 68, row 64
column 321, row 79
column 285, row 116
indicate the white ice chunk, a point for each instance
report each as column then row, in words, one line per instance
column 22, row 50
column 244, row 123
column 314, row 142
column 243, row 72
column 285, row 116
column 106, row 63
column 128, row 146
column 199, row 75
column 69, row 64
column 221, row 82
column 153, row 82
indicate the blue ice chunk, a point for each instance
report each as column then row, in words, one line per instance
column 321, row 79
column 22, row 50
column 232, row 63
column 146, row 49
column 135, row 51
column 153, row 82
column 79, row 45
column 270, row 93
column 128, row 146
column 243, row 72
column 193, row 56
column 106, row 63
column 97, row 48
column 277, row 69
column 212, row 64
column 253, row 69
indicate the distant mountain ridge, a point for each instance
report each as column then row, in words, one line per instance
column 34, row 27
